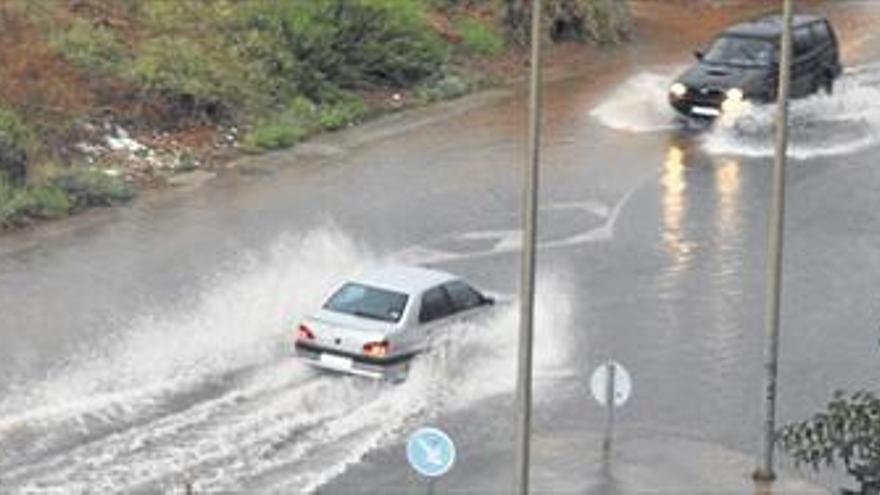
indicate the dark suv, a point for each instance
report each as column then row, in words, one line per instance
column 743, row 62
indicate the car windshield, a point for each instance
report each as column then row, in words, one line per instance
column 368, row 302
column 740, row 51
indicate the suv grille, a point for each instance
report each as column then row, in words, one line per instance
column 707, row 96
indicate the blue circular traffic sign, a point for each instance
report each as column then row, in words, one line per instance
column 430, row 452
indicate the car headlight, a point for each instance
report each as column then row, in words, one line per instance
column 678, row 90
column 735, row 94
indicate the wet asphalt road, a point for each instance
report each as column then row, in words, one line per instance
column 145, row 344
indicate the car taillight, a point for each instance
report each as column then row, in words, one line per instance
column 377, row 349
column 304, row 333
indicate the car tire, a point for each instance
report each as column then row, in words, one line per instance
column 826, row 83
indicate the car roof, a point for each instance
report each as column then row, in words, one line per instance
column 768, row 26
column 403, row 278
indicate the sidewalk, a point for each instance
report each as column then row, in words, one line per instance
column 658, row 465
column 569, row 461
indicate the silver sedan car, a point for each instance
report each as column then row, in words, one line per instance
column 375, row 323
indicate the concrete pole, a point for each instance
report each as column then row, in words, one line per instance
column 776, row 226
column 527, row 280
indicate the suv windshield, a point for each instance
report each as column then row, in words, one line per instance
column 368, row 302
column 734, row 50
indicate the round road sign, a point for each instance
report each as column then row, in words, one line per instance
column 622, row 384
column 430, row 452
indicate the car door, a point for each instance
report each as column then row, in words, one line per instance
column 435, row 311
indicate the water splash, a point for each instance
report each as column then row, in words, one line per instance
column 845, row 122
column 212, row 393
column 640, row 104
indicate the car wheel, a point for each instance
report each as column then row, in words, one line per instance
column 825, row 83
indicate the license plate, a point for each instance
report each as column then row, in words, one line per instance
column 706, row 111
column 338, row 362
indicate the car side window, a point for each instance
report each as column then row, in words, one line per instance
column 435, row 305
column 803, row 41
column 463, row 296
column 820, row 32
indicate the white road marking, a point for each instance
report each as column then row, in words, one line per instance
column 508, row 241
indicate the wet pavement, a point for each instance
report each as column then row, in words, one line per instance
column 147, row 345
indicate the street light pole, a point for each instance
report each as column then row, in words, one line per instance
column 765, row 472
column 527, row 279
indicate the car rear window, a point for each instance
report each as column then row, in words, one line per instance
column 736, row 50
column 368, row 302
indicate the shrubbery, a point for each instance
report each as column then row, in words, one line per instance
column 274, row 136
column 281, row 69
column 12, row 126
column 46, row 201
column 452, row 84
column 302, row 118
column 605, row 21
column 179, row 68
column 318, row 47
column 87, row 187
column 91, row 47
column 341, row 114
column 58, row 194
column 479, row 37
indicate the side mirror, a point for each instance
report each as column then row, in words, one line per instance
column 487, row 301
column 698, row 54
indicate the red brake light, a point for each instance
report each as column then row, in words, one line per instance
column 304, row 333
column 377, row 349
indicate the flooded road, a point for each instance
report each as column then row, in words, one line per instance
column 149, row 345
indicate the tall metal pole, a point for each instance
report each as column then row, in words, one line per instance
column 527, row 280
column 765, row 472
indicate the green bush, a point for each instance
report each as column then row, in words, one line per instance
column 11, row 125
column 313, row 47
column 846, row 433
column 478, row 37
column 341, row 114
column 606, row 21
column 178, row 66
column 453, row 84
column 90, row 47
column 274, row 136
column 47, row 201
column 87, row 187
column 284, row 129
column 18, row 205
column 13, row 205
column 302, row 118
column 59, row 194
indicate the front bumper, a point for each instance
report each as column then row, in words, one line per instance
column 697, row 108
column 391, row 368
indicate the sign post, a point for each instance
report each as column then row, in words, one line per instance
column 609, row 406
column 611, row 386
column 431, row 453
